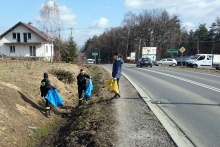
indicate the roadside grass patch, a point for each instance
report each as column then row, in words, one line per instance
column 92, row 123
column 63, row 75
column 42, row 132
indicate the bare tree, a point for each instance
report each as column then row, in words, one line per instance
column 50, row 20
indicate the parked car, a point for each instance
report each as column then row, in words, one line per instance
column 144, row 62
column 204, row 61
column 166, row 61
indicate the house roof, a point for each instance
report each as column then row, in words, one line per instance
column 30, row 27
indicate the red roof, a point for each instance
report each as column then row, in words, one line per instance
column 30, row 27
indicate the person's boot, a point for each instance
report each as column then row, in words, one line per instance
column 47, row 113
column 116, row 95
column 80, row 101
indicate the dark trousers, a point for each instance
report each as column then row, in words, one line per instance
column 47, row 105
column 81, row 88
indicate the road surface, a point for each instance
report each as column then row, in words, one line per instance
column 191, row 99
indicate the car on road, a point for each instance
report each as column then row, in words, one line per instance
column 166, row 61
column 144, row 62
column 90, row 61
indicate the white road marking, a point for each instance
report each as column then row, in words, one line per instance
column 186, row 80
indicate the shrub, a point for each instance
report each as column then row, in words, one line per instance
column 63, row 75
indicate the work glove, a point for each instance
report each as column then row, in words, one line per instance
column 53, row 87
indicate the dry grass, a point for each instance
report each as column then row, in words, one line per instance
column 90, row 124
column 21, row 105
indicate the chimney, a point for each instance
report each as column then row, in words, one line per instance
column 30, row 23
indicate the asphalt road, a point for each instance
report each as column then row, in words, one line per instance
column 190, row 99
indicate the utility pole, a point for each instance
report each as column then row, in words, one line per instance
column 213, row 37
column 71, row 31
column 139, row 48
column 59, row 46
column 127, row 42
column 197, row 45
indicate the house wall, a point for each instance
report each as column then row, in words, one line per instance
column 42, row 50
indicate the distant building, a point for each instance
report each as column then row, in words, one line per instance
column 25, row 40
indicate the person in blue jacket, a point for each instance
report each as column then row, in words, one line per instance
column 81, row 82
column 116, row 70
column 44, row 88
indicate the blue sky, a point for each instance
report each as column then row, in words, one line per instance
column 92, row 17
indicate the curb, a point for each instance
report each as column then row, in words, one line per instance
column 175, row 133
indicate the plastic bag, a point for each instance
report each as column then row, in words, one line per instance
column 89, row 88
column 112, row 85
column 54, row 97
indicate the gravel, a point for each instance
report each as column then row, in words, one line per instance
column 137, row 125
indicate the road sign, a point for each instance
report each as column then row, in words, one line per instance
column 182, row 49
column 99, row 59
column 173, row 51
column 94, row 53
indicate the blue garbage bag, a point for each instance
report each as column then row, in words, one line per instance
column 89, row 88
column 54, row 97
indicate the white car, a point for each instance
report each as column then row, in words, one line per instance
column 90, row 61
column 166, row 61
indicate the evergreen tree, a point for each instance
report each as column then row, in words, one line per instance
column 70, row 54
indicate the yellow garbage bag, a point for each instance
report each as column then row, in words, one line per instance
column 112, row 85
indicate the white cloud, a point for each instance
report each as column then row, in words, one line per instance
column 67, row 16
column 189, row 26
column 191, row 12
column 101, row 23
column 135, row 3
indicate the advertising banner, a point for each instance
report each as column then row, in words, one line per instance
column 132, row 56
column 149, row 52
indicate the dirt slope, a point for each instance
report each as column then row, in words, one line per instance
column 21, row 106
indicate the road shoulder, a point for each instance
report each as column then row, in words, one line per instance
column 137, row 125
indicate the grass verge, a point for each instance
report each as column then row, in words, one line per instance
column 90, row 124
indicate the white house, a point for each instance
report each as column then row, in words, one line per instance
column 25, row 40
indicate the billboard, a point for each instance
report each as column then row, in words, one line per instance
column 132, row 56
column 149, row 52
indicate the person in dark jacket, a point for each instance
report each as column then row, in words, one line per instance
column 116, row 70
column 81, row 82
column 44, row 88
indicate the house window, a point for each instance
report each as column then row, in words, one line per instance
column 12, row 49
column 25, row 37
column 32, row 50
column 14, row 35
column 29, row 35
